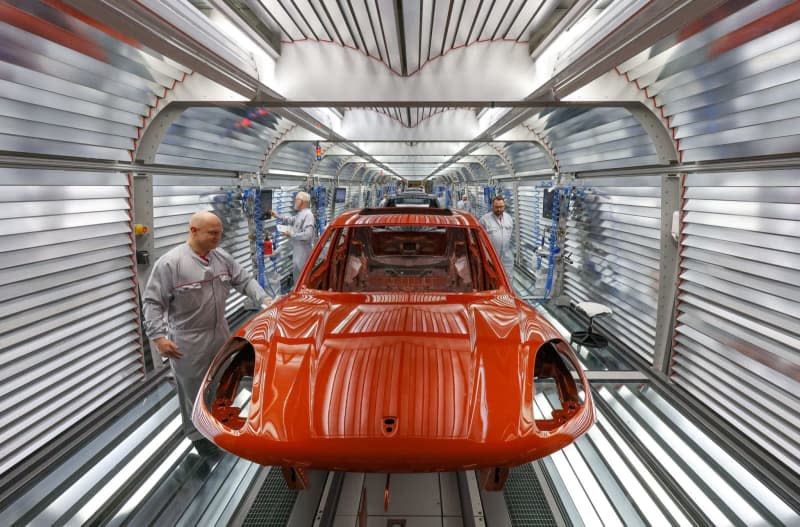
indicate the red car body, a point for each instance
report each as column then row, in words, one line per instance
column 389, row 357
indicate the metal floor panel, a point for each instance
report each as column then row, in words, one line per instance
column 273, row 504
column 525, row 499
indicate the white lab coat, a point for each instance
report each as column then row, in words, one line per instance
column 184, row 300
column 501, row 234
column 303, row 237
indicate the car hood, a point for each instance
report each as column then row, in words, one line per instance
column 349, row 365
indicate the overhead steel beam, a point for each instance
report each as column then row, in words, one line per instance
column 401, row 41
column 572, row 15
column 251, row 18
column 431, row 103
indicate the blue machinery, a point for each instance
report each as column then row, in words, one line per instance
column 551, row 238
column 319, row 196
column 554, row 249
column 253, row 195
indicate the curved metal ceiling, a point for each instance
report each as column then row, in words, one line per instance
column 409, row 117
column 407, row 35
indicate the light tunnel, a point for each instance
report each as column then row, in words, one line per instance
column 647, row 153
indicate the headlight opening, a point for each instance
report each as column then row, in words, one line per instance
column 558, row 393
column 228, row 395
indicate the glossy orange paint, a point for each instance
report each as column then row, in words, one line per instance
column 395, row 381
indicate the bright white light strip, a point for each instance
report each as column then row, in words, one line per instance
column 287, row 173
column 121, row 477
column 150, row 483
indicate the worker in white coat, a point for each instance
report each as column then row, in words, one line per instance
column 500, row 227
column 184, row 310
column 463, row 203
column 302, row 232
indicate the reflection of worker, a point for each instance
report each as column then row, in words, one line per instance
column 500, row 227
column 462, row 270
column 352, row 269
column 463, row 203
column 184, row 309
column 301, row 232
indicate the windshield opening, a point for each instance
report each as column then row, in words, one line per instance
column 403, row 258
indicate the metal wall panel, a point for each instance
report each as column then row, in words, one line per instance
column 368, row 195
column 354, row 197
column 339, row 208
column 497, row 166
column 69, row 325
column 82, row 94
column 737, row 340
column 330, row 206
column 479, row 173
column 532, row 229
column 233, row 139
column 527, row 158
column 595, row 138
column 345, row 174
column 293, row 156
column 613, row 236
column 479, row 204
column 730, row 90
column 176, row 198
column 329, row 165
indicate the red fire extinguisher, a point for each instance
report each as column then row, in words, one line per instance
column 267, row 247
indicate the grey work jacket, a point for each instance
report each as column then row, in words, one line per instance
column 501, row 234
column 303, row 237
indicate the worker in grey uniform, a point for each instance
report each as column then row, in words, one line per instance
column 463, row 203
column 184, row 310
column 302, row 232
column 500, row 227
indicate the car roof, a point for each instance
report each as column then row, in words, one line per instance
column 405, row 216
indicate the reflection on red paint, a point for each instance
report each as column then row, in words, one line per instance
column 71, row 11
column 758, row 28
column 711, row 18
column 32, row 24
column 405, row 374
